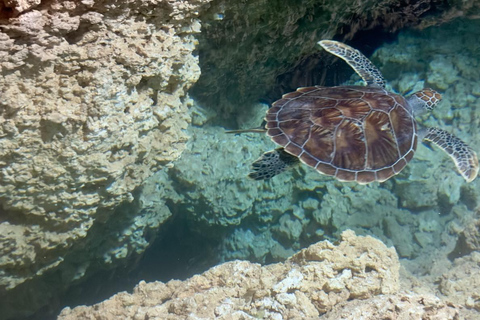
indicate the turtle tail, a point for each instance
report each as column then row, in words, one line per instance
column 254, row 130
column 259, row 129
column 272, row 163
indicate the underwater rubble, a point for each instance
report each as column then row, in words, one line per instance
column 305, row 286
column 355, row 278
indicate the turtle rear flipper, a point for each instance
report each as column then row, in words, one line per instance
column 464, row 157
column 355, row 59
column 272, row 163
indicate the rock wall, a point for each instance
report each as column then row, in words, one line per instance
column 93, row 101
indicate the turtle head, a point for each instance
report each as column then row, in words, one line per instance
column 424, row 100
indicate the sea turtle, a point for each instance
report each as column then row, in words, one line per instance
column 354, row 133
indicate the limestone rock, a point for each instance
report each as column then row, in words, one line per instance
column 19, row 6
column 210, row 180
column 469, row 239
column 245, row 244
column 307, row 285
column 460, row 283
column 93, row 101
column 401, row 306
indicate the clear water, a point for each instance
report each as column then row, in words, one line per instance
column 219, row 215
column 421, row 212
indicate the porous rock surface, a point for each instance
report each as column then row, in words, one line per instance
column 471, row 235
column 402, row 306
column 307, row 285
column 93, row 101
column 209, row 181
column 461, row 282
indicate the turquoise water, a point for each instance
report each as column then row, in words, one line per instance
column 422, row 212
column 201, row 209
column 413, row 211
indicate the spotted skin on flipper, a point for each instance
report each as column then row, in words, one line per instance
column 464, row 157
column 355, row 59
column 272, row 163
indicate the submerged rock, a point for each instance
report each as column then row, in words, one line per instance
column 402, row 306
column 93, row 102
column 461, row 282
column 307, row 285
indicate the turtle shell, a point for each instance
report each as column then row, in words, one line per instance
column 353, row 133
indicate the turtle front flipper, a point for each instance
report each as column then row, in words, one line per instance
column 272, row 163
column 464, row 157
column 355, row 59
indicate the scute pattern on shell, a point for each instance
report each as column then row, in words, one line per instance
column 354, row 133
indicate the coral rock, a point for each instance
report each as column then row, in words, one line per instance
column 460, row 284
column 400, row 306
column 307, row 285
column 93, row 101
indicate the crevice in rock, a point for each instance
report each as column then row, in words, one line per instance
column 77, row 35
column 176, row 251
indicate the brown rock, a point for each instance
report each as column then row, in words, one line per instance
column 93, row 101
column 401, row 306
column 19, row 6
column 307, row 285
column 460, row 284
